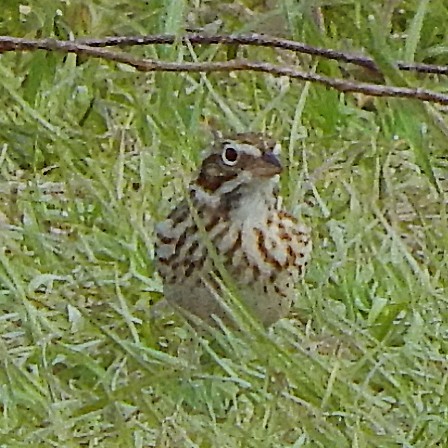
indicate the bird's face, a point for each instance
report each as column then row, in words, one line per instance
column 242, row 159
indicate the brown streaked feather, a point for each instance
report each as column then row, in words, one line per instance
column 263, row 249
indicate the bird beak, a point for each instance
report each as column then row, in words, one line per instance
column 267, row 166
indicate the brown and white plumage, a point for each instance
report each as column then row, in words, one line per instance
column 233, row 211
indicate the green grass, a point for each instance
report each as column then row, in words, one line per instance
column 90, row 155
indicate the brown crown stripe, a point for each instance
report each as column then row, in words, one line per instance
column 261, row 141
column 261, row 243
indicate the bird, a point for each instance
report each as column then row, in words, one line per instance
column 231, row 221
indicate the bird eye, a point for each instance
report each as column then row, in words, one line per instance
column 229, row 155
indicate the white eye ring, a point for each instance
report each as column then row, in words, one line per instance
column 230, row 155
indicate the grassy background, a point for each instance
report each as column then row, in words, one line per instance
column 90, row 155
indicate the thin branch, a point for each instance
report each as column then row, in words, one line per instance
column 149, row 65
column 261, row 40
column 8, row 43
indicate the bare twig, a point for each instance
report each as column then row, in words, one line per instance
column 262, row 41
column 149, row 65
column 8, row 43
